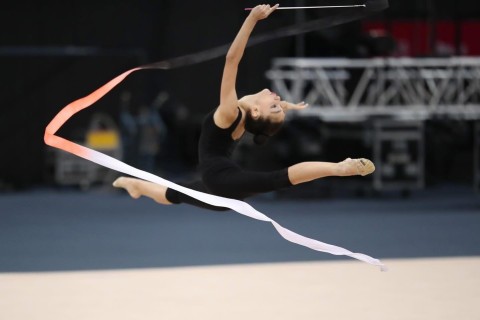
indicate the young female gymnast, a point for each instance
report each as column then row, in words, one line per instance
column 262, row 114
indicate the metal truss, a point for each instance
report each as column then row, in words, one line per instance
column 401, row 87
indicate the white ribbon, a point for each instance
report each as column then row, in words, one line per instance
column 117, row 165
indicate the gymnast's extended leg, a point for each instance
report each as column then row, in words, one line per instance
column 308, row 171
column 238, row 183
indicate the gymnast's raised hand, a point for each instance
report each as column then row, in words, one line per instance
column 262, row 11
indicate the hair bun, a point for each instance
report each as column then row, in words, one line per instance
column 260, row 139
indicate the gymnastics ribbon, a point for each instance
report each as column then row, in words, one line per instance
column 104, row 160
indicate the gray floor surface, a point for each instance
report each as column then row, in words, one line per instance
column 50, row 230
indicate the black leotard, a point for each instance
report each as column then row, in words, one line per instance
column 220, row 175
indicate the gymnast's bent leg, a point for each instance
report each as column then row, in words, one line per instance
column 137, row 188
column 163, row 195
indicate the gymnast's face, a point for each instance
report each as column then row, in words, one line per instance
column 268, row 106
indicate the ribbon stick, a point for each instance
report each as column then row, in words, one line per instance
column 317, row 7
column 104, row 160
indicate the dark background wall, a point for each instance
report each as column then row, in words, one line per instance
column 40, row 74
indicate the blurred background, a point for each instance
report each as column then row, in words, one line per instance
column 401, row 87
column 422, row 85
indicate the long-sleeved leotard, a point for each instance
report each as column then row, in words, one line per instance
column 220, row 175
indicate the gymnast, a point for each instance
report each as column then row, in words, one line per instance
column 261, row 114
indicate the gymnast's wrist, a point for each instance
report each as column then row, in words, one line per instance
column 251, row 19
column 285, row 105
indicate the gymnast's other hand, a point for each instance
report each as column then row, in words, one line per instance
column 262, row 11
column 293, row 106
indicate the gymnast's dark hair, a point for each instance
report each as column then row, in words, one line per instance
column 261, row 128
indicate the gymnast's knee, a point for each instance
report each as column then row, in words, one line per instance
column 282, row 180
column 176, row 197
column 173, row 196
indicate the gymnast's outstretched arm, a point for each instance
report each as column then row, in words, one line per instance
column 227, row 111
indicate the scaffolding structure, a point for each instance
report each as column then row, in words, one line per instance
column 339, row 89
column 394, row 96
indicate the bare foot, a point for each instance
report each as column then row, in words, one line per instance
column 352, row 167
column 128, row 184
